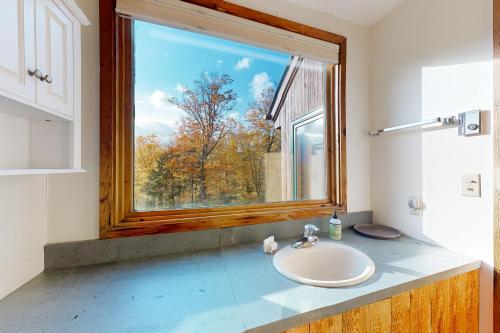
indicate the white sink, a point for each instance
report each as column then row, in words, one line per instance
column 325, row 264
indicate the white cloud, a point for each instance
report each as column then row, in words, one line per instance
column 234, row 115
column 161, row 130
column 243, row 63
column 163, row 111
column 180, row 88
column 260, row 82
column 159, row 99
column 219, row 62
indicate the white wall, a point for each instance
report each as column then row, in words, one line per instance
column 23, row 230
column 434, row 58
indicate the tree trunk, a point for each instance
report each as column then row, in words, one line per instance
column 203, row 186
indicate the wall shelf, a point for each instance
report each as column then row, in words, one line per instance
column 21, row 172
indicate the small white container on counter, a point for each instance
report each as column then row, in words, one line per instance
column 269, row 245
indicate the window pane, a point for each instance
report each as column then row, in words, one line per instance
column 310, row 159
column 216, row 122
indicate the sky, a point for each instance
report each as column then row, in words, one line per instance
column 167, row 60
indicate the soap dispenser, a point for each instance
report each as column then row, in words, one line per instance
column 335, row 227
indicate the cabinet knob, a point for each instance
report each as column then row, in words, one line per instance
column 47, row 78
column 36, row 73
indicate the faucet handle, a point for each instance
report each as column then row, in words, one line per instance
column 310, row 229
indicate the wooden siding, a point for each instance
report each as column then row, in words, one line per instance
column 305, row 95
column 447, row 306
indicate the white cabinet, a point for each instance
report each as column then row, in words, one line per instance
column 40, row 73
column 17, row 39
column 54, row 58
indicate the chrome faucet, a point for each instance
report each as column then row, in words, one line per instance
column 308, row 239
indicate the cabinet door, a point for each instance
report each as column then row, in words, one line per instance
column 54, row 40
column 17, row 38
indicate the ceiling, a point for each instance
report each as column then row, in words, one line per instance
column 363, row 12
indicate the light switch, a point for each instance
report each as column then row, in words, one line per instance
column 471, row 185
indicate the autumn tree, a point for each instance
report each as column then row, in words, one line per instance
column 258, row 138
column 147, row 151
column 257, row 119
column 207, row 105
column 164, row 184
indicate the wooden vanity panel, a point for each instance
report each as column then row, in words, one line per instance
column 472, row 294
column 327, row 325
column 458, row 306
column 420, row 309
column 440, row 306
column 380, row 316
column 400, row 313
column 450, row 305
column 300, row 329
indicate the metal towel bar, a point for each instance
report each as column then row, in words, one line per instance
column 439, row 120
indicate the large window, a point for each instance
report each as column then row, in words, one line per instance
column 209, row 131
column 203, row 136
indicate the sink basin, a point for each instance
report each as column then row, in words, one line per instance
column 325, row 264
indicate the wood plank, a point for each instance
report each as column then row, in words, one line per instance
column 440, row 306
column 300, row 329
column 458, row 306
column 472, row 302
column 356, row 320
column 496, row 136
column 446, row 306
column 268, row 19
column 401, row 320
column 420, row 310
column 414, row 310
column 380, row 316
column 327, row 325
column 107, row 91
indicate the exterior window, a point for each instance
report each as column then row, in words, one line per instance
column 213, row 125
column 309, row 158
column 207, row 113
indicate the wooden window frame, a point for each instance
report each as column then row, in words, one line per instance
column 116, row 215
column 496, row 135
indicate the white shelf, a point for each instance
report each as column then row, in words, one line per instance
column 19, row 172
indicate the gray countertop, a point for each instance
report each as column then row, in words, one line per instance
column 232, row 289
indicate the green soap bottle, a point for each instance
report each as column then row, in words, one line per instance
column 335, row 228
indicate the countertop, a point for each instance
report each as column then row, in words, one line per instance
column 231, row 289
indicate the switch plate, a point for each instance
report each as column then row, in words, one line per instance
column 471, row 185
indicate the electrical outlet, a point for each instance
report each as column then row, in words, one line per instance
column 416, row 206
column 471, row 185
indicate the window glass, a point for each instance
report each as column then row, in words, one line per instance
column 310, row 176
column 215, row 122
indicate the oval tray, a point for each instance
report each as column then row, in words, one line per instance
column 377, row 231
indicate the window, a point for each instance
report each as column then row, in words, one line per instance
column 309, row 157
column 212, row 131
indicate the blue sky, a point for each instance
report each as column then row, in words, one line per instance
column 168, row 59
